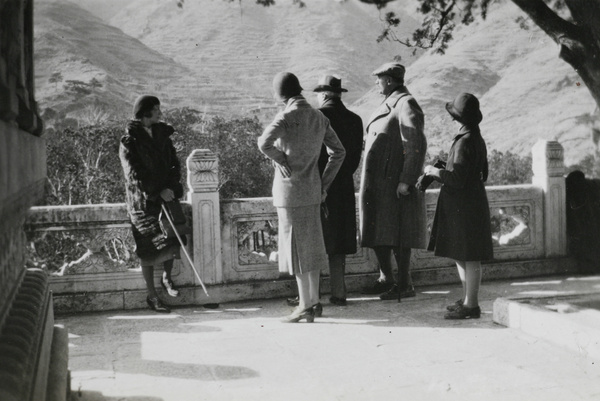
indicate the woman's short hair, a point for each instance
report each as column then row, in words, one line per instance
column 143, row 106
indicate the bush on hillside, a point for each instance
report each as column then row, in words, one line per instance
column 84, row 167
column 587, row 166
column 508, row 168
column 244, row 172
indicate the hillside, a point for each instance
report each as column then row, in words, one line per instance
column 246, row 44
column 81, row 47
column 219, row 57
column 526, row 91
column 212, row 55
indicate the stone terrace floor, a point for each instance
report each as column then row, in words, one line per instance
column 368, row 350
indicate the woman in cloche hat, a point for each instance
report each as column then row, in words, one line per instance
column 461, row 226
column 293, row 142
column 152, row 176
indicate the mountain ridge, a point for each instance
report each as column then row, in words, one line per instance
column 220, row 59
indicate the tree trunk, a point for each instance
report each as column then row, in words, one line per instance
column 579, row 42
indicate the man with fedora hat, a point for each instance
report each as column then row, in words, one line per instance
column 339, row 223
column 392, row 211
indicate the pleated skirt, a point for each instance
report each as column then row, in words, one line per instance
column 301, row 245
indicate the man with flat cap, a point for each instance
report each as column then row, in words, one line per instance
column 392, row 211
column 339, row 223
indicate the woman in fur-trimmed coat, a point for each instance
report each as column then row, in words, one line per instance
column 152, row 174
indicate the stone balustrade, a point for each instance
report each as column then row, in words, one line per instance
column 234, row 242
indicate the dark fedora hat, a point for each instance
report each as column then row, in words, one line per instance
column 286, row 85
column 330, row 83
column 465, row 109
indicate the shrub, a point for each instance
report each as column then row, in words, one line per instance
column 508, row 168
column 84, row 167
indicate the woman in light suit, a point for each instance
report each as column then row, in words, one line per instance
column 293, row 142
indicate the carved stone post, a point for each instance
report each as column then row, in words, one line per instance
column 203, row 181
column 548, row 174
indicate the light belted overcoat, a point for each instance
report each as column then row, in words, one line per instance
column 296, row 136
column 395, row 147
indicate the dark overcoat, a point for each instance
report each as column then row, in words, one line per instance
column 395, row 148
column 461, row 226
column 150, row 165
column 339, row 227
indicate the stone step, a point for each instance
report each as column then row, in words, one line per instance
column 570, row 321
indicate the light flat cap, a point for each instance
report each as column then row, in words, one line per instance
column 394, row 70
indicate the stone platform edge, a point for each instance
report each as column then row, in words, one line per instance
column 127, row 299
column 567, row 330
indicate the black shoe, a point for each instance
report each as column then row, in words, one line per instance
column 156, row 305
column 392, row 293
column 338, row 301
column 318, row 310
column 293, row 301
column 455, row 305
column 169, row 287
column 409, row 292
column 462, row 312
column 377, row 288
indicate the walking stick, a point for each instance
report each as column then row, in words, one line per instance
column 166, row 212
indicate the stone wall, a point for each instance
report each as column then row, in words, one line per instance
column 234, row 243
column 27, row 331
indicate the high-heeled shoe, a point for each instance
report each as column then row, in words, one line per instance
column 299, row 314
column 156, row 305
column 169, row 287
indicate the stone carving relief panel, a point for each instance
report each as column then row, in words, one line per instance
column 82, row 251
column 511, row 225
column 257, row 243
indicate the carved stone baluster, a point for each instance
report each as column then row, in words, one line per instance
column 203, row 183
column 548, row 174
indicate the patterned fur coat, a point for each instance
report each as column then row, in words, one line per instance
column 150, row 165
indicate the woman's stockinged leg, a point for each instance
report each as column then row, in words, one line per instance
column 168, row 268
column 303, row 281
column 313, row 282
column 460, row 266
column 166, row 281
column 384, row 258
column 473, row 282
column 148, row 273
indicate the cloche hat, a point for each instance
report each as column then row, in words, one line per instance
column 465, row 109
column 286, row 85
column 144, row 104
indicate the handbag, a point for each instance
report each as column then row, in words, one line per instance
column 177, row 217
column 425, row 181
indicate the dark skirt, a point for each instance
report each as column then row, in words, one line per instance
column 461, row 227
